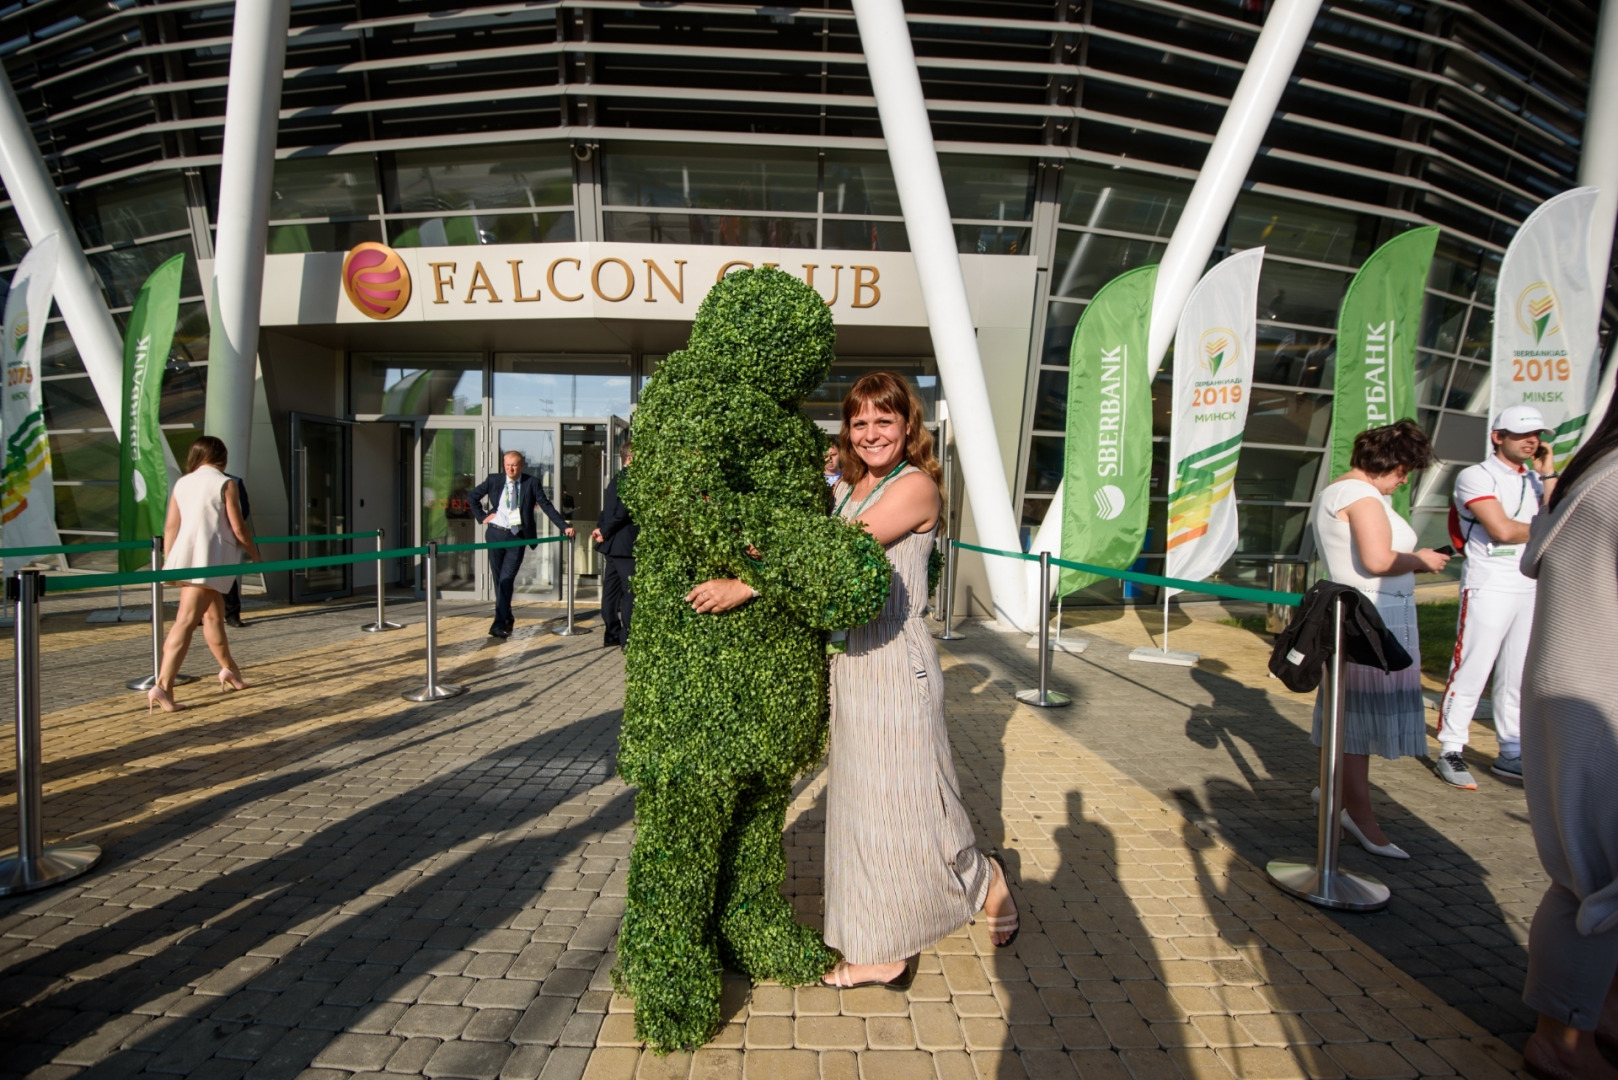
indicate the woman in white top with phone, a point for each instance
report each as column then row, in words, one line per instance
column 1366, row 544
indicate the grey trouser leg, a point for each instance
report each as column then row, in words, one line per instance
column 1568, row 974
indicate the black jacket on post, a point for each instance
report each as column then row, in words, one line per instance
column 1303, row 649
column 618, row 531
column 530, row 494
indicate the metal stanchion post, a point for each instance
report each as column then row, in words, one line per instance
column 1044, row 697
column 434, row 690
column 571, row 583
column 35, row 865
column 382, row 622
column 1321, row 881
column 947, row 586
column 146, row 682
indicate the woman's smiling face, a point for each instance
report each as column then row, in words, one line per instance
column 878, row 437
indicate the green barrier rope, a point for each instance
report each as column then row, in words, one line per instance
column 79, row 582
column 314, row 537
column 78, row 549
column 1234, row 592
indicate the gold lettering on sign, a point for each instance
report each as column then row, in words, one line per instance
column 653, row 269
column 550, row 278
column 481, row 275
column 440, row 283
column 836, row 281
column 772, row 266
column 595, row 280
column 728, row 267
column 516, row 283
column 861, row 284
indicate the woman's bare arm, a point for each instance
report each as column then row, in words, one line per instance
column 171, row 526
column 233, row 512
column 910, row 504
column 1373, row 541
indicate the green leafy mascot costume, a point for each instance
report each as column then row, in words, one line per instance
column 723, row 711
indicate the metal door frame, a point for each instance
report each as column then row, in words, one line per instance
column 479, row 427
column 299, row 502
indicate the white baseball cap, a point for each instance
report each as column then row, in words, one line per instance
column 1520, row 420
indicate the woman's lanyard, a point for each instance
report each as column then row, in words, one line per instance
column 869, row 498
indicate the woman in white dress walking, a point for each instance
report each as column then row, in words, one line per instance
column 204, row 528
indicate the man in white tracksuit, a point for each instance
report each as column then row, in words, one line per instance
column 1494, row 502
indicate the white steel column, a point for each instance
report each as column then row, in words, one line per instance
column 1598, row 167
column 889, row 56
column 78, row 289
column 1214, row 194
column 252, row 103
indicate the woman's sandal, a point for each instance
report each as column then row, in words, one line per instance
column 1003, row 924
column 900, row 981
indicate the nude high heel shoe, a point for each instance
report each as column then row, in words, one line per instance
column 158, row 696
column 231, row 680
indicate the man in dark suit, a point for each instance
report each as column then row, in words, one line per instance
column 615, row 537
column 233, row 599
column 514, row 496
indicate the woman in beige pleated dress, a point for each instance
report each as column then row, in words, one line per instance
column 902, row 867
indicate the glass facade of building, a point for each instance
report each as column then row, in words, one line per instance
column 1069, row 134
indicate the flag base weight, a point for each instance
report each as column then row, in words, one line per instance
column 1176, row 657
column 146, row 682
column 1071, row 646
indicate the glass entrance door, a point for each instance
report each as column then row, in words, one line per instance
column 541, row 567
column 447, row 463
column 320, row 452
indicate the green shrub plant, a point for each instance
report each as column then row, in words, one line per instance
column 723, row 712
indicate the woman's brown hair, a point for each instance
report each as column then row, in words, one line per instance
column 207, row 450
column 887, row 392
column 1400, row 445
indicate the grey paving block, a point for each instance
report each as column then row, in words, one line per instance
column 468, row 1060
column 542, row 1023
column 356, row 1053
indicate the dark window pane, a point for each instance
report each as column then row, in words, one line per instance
column 72, row 403
column 342, row 186
column 58, row 354
column 1300, row 294
column 1469, row 389
column 1086, row 261
column 84, row 456
column 1265, row 530
column 479, row 177
column 1276, row 475
column 538, row 385
column 124, row 270
column 728, row 230
column 1441, row 321
column 191, row 333
column 991, row 240
column 126, row 212
column 1432, row 376
column 1050, row 402
column 711, row 177
column 416, row 384
column 1045, row 463
column 13, row 240
column 1294, row 357
column 318, row 236
column 1479, row 341
column 86, row 506
column 988, row 187
column 859, row 182
column 184, row 394
column 1316, row 232
column 1033, row 513
column 1122, row 199
column 1288, row 416
column 465, row 231
column 1060, row 322
column 837, row 235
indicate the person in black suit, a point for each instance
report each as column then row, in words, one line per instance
column 514, row 497
column 233, row 599
column 615, row 537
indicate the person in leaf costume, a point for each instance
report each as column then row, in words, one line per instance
column 722, row 712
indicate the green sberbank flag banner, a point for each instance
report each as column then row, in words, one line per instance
column 1376, row 345
column 1108, row 470
column 143, row 478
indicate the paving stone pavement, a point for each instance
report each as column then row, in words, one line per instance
column 1228, row 747
column 314, row 879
